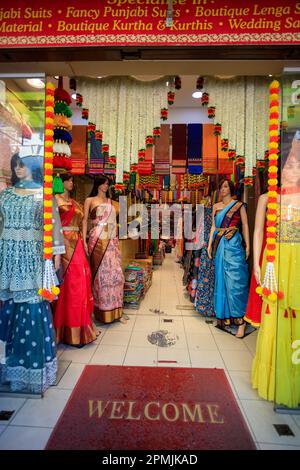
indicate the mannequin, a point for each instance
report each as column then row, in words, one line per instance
column 204, row 300
column 26, row 321
column 74, row 308
column 231, row 270
column 275, row 374
column 104, row 251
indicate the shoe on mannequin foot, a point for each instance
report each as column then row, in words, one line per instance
column 123, row 320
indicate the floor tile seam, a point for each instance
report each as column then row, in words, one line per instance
column 277, row 443
column 32, row 425
column 21, row 407
column 125, row 353
column 298, row 425
column 247, row 418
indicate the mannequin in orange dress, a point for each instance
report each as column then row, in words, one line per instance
column 74, row 307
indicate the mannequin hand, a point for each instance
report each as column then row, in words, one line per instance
column 57, row 262
column 256, row 272
column 247, row 252
column 209, row 252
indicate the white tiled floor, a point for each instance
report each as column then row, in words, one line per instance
column 198, row 345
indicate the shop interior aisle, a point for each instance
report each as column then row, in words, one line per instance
column 196, row 344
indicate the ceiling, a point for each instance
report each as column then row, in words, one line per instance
column 149, row 60
column 152, row 62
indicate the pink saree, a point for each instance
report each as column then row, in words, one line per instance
column 105, row 260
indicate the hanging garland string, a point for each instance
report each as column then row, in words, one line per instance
column 269, row 287
column 49, row 290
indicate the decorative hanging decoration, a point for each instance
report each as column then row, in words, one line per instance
column 119, row 188
column 200, row 83
column 269, row 287
column 133, row 168
column 211, row 112
column 85, row 113
column 248, row 181
column 260, row 165
column 171, row 97
column 126, row 176
column 98, row 135
column 164, row 114
column 149, row 141
column 232, row 154
column 79, row 99
column 224, row 145
column 204, row 99
column 127, row 112
column 240, row 160
column 156, row 132
column 141, row 155
column 91, row 127
column 217, row 129
column 72, row 84
column 62, row 137
column 49, row 290
column 177, row 83
column 105, row 150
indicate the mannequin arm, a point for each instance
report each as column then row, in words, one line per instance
column 259, row 234
column 245, row 230
column 209, row 248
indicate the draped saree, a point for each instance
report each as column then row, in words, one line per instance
column 74, row 307
column 231, row 270
column 105, row 262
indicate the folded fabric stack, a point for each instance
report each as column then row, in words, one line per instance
column 138, row 276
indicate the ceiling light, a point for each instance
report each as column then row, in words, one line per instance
column 167, row 83
column 56, row 77
column 35, row 82
column 270, row 75
column 197, row 94
column 74, row 96
column 99, row 77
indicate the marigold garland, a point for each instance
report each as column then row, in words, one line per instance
column 49, row 292
column 269, row 286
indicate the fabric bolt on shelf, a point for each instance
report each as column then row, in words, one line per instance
column 79, row 149
column 209, row 149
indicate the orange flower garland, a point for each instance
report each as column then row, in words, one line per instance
column 49, row 293
column 269, row 285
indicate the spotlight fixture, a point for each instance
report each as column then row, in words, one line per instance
column 74, row 96
column 35, row 82
column 197, row 94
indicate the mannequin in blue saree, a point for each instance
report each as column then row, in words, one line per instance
column 227, row 247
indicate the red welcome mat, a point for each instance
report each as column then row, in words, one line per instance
column 151, row 408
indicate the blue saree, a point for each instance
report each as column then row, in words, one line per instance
column 231, row 269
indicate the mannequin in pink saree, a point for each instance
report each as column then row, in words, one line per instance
column 105, row 256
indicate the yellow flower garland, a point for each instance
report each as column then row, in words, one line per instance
column 269, row 286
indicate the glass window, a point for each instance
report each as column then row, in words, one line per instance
column 27, row 347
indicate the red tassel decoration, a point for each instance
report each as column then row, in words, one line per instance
column 286, row 313
column 268, row 311
column 294, row 313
